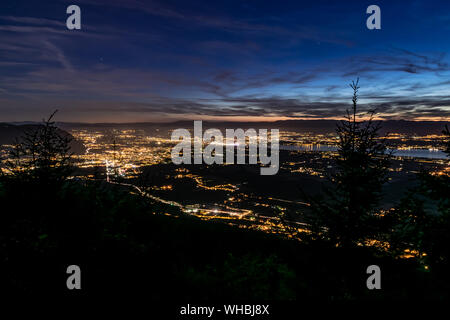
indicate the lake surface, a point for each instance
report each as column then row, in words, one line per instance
column 411, row 153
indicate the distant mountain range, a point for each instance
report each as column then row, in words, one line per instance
column 313, row 126
column 10, row 133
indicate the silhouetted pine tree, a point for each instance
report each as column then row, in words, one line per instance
column 422, row 221
column 348, row 214
column 446, row 132
column 42, row 154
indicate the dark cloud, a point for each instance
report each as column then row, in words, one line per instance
column 400, row 61
column 191, row 17
column 183, row 59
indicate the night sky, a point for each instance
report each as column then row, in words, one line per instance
column 135, row 61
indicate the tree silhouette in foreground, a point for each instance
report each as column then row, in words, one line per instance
column 421, row 222
column 348, row 214
column 42, row 154
column 127, row 245
column 446, row 133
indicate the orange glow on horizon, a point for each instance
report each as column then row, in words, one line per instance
column 133, row 118
column 275, row 118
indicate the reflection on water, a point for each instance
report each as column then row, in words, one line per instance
column 421, row 153
column 412, row 153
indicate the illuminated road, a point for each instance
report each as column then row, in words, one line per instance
column 264, row 223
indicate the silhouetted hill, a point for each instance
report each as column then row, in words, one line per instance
column 9, row 133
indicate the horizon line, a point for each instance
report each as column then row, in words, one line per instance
column 213, row 121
